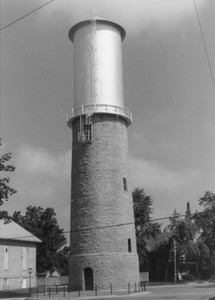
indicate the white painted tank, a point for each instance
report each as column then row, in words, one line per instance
column 98, row 78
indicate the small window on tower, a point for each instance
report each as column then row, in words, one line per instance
column 125, row 183
column 129, row 245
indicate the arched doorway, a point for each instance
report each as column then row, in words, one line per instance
column 88, row 278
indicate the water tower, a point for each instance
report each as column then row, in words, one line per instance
column 103, row 242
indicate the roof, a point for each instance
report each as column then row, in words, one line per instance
column 54, row 273
column 99, row 21
column 13, row 231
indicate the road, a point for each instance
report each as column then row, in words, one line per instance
column 202, row 291
column 184, row 292
column 194, row 291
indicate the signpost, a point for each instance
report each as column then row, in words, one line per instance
column 30, row 271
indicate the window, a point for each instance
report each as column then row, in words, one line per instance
column 24, row 258
column 5, row 284
column 129, row 245
column 125, row 183
column 6, row 253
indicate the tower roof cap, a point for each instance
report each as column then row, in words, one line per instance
column 98, row 21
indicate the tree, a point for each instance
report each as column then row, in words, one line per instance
column 159, row 256
column 145, row 229
column 174, row 220
column 43, row 224
column 188, row 215
column 206, row 224
column 5, row 189
column 206, row 219
column 190, row 250
column 63, row 258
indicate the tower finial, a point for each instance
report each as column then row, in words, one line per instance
column 94, row 14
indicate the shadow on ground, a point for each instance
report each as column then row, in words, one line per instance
column 14, row 293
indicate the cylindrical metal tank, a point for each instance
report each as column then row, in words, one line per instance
column 98, row 78
column 98, row 63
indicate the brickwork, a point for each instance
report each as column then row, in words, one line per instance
column 101, row 198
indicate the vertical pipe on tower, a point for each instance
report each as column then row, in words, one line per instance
column 103, row 242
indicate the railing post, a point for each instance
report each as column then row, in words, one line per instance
column 49, row 289
column 95, row 289
column 135, row 287
column 144, row 286
column 111, row 291
column 128, row 288
column 64, row 290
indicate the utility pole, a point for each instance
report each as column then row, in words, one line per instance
column 175, row 269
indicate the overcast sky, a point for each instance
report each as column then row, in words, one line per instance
column 167, row 85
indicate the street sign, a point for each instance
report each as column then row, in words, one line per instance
column 30, row 271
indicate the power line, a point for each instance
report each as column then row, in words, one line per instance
column 29, row 13
column 108, row 226
column 102, row 227
column 165, row 218
column 204, row 43
column 79, row 230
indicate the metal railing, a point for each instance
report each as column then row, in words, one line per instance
column 100, row 108
column 98, row 290
column 48, row 290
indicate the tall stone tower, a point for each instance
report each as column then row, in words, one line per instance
column 103, row 243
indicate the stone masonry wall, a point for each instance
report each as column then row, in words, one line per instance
column 102, row 217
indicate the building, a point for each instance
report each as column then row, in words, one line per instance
column 17, row 256
column 103, row 241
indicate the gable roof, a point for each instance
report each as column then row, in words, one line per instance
column 13, row 231
column 54, row 273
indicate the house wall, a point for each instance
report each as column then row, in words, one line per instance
column 15, row 259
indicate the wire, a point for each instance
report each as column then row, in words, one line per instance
column 107, row 226
column 29, row 13
column 101, row 227
column 204, row 43
column 165, row 218
column 78, row 230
